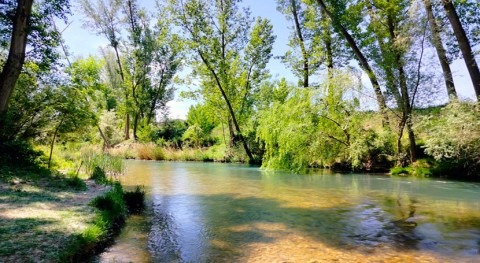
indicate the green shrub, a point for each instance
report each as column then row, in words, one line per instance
column 18, row 152
column 95, row 237
column 454, row 139
column 98, row 175
column 399, row 171
column 112, row 205
column 135, row 200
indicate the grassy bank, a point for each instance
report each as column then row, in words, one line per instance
column 49, row 216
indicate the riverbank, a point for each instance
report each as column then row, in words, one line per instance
column 49, row 217
column 39, row 213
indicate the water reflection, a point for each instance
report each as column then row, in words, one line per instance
column 217, row 213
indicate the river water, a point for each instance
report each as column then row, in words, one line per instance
column 209, row 212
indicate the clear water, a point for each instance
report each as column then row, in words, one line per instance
column 208, row 212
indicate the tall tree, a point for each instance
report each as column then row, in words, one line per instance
column 441, row 53
column 103, row 17
column 392, row 27
column 16, row 55
column 230, row 54
column 361, row 58
column 293, row 10
column 464, row 44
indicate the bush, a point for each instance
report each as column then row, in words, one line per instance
column 420, row 168
column 135, row 200
column 98, row 175
column 453, row 139
column 18, row 153
column 396, row 171
column 112, row 205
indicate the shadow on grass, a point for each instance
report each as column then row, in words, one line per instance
column 22, row 238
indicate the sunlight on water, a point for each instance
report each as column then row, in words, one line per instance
column 207, row 212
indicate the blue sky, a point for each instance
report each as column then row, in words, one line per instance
column 83, row 42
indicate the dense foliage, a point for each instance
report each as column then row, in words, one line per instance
column 365, row 69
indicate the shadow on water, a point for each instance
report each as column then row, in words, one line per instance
column 221, row 226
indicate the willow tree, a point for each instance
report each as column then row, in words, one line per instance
column 230, row 51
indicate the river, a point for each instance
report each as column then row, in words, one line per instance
column 211, row 212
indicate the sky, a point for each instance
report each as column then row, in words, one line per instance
column 83, row 42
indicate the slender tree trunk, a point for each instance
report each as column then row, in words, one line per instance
column 53, row 141
column 301, row 42
column 328, row 43
column 405, row 98
column 387, row 65
column 441, row 53
column 362, row 61
column 154, row 102
column 464, row 45
column 127, row 116
column 106, row 142
column 230, row 108
column 135, row 126
column 231, row 141
column 16, row 55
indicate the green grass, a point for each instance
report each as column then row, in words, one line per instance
column 110, row 215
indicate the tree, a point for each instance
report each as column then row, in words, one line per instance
column 363, row 61
column 24, row 24
column 464, row 44
column 441, row 53
column 293, row 10
column 16, row 55
column 103, row 17
column 231, row 55
column 153, row 58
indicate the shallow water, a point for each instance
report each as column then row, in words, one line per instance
column 208, row 212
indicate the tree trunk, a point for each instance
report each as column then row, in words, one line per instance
column 405, row 98
column 301, row 42
column 53, row 141
column 362, row 60
column 156, row 97
column 135, row 126
column 16, row 55
column 231, row 141
column 230, row 108
column 127, row 116
column 328, row 43
column 441, row 53
column 464, row 45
